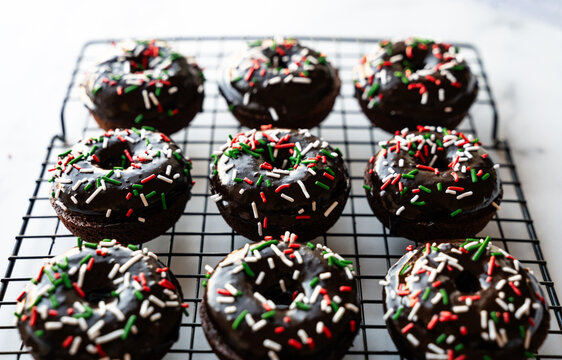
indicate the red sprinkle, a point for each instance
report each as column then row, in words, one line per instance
column 407, row 328
column 79, row 290
column 166, row 284
column 147, row 179
column 66, row 343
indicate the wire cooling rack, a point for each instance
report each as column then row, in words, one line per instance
column 202, row 237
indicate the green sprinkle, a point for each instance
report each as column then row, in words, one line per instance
column 302, row 306
column 54, row 301
column 413, row 172
column 237, row 179
column 138, row 294
column 39, row 333
column 423, row 188
column 268, row 314
column 239, row 320
column 322, row 185
column 314, row 282
column 260, row 179
column 530, row 355
column 79, row 242
column 418, row 203
column 456, row 212
column 128, row 327
column 403, row 190
column 404, row 269
column 459, row 347
column 486, row 176
column 128, row 89
column 135, row 192
column 85, row 259
column 66, row 281
column 76, row 159
column 264, row 245
column 65, row 153
column 330, row 171
column 367, row 187
column 374, row 88
column 114, row 293
column 481, row 249
column 91, row 245
column 139, row 118
column 137, row 186
column 163, row 198
column 398, row 313
column 426, row 294
column 408, row 176
column 310, row 245
column 247, row 269
column 133, row 247
column 473, row 175
column 268, row 182
column 441, row 338
column 150, row 194
column 204, row 283
column 445, row 296
column 494, row 316
column 64, row 263
column 327, row 153
column 112, row 181
column 439, row 186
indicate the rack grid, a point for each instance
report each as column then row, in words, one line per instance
column 202, row 237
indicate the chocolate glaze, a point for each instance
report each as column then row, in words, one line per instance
column 439, row 152
column 414, row 81
column 152, row 153
column 249, row 344
column 76, row 314
column 282, row 214
column 144, row 83
column 278, row 74
column 470, row 291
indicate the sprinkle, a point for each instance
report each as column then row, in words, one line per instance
column 330, row 209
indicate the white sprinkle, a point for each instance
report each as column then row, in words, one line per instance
column 523, row 309
column 271, row 263
column 424, row 97
column 272, row 355
column 272, row 174
column 435, row 348
column 260, row 278
column 255, row 210
column 338, row 315
column 355, row 309
column 282, row 285
column 155, row 317
column 153, row 98
column 314, row 206
column 81, row 275
column 460, row 308
column 311, row 171
column 415, row 198
column 230, row 309
column 143, row 199
column 325, row 275
column 273, row 114
column 172, row 90
column 109, row 337
column 330, row 209
column 302, row 80
column 465, row 194
column 267, row 343
column 53, row 325
column 288, row 198
column 441, row 94
column 108, row 213
column 296, row 274
column 130, row 263
column 303, row 188
column 399, row 211
column 249, row 319
column 260, row 324
column 412, row 339
column 92, row 197
column 75, row 345
column 163, row 178
column 216, row 197
column 246, row 99
column 93, row 331
column 157, row 301
column 260, row 297
column 483, row 319
column 113, row 271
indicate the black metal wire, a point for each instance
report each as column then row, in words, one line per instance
column 357, row 235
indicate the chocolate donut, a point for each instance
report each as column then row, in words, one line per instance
column 266, row 182
column 433, row 184
column 464, row 300
column 415, row 81
column 279, row 81
column 126, row 184
column 279, row 301
column 144, row 83
column 101, row 300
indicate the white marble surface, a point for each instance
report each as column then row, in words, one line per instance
column 522, row 53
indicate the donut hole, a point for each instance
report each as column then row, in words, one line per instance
column 467, row 282
column 112, row 157
column 96, row 295
column 282, row 299
column 282, row 160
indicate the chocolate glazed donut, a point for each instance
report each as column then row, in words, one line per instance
column 146, row 83
column 126, row 184
column 101, row 300
column 433, row 184
column 272, row 181
column 464, row 300
column 407, row 83
column 281, row 301
column 279, row 81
